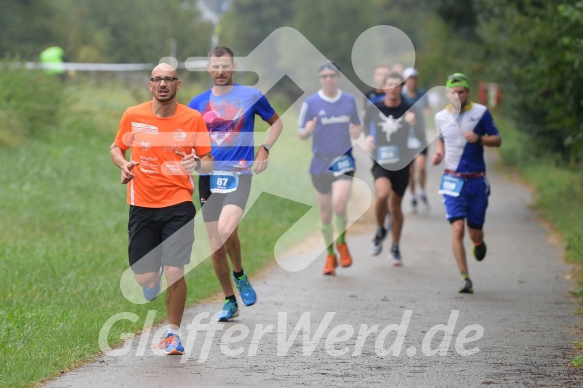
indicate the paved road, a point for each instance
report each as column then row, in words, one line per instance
column 517, row 329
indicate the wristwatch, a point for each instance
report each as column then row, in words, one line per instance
column 267, row 147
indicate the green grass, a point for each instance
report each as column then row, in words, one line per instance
column 559, row 199
column 559, row 189
column 63, row 237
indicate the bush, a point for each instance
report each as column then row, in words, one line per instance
column 29, row 102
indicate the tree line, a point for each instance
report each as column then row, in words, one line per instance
column 532, row 48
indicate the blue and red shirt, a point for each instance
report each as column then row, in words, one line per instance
column 230, row 119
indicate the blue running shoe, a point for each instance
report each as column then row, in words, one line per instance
column 172, row 345
column 230, row 311
column 248, row 295
column 152, row 291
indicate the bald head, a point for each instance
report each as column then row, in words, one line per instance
column 165, row 68
column 164, row 83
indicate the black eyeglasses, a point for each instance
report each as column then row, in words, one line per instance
column 157, row 80
column 328, row 75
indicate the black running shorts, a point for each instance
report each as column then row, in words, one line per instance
column 160, row 236
column 211, row 208
column 399, row 179
column 323, row 182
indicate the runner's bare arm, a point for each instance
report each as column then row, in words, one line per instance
column 309, row 129
column 207, row 163
column 118, row 156
column 439, row 153
column 355, row 131
column 192, row 162
column 276, row 126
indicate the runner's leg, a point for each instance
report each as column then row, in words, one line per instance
column 459, row 251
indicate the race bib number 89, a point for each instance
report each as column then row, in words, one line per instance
column 451, row 185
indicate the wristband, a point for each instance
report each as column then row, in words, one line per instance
column 266, row 147
column 479, row 139
column 197, row 164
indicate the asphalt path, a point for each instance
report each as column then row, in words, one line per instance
column 376, row 325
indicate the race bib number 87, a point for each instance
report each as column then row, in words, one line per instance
column 224, row 182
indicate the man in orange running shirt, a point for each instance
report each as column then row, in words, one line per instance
column 168, row 142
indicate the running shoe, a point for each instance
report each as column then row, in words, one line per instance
column 466, row 287
column 345, row 258
column 425, row 202
column 480, row 251
column 414, row 205
column 376, row 246
column 230, row 310
column 395, row 257
column 331, row 264
column 152, row 291
column 248, row 295
column 172, row 345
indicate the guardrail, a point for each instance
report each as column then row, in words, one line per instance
column 200, row 64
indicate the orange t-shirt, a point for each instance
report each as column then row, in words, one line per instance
column 160, row 180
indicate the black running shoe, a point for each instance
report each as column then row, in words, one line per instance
column 480, row 251
column 414, row 205
column 376, row 246
column 466, row 287
column 395, row 257
column 425, row 202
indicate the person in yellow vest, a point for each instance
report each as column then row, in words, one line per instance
column 53, row 56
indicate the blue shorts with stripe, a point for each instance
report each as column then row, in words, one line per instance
column 471, row 204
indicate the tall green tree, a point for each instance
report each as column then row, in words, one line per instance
column 25, row 27
column 249, row 22
column 141, row 31
column 104, row 31
column 537, row 51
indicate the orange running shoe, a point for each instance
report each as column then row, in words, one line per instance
column 331, row 264
column 345, row 258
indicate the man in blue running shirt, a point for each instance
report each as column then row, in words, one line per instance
column 229, row 110
column 331, row 118
column 465, row 128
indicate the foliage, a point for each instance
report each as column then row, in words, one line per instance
column 577, row 362
column 29, row 102
column 105, row 31
column 26, row 27
column 332, row 26
column 249, row 22
column 536, row 49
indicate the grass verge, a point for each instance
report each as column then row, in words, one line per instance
column 63, row 238
column 559, row 199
